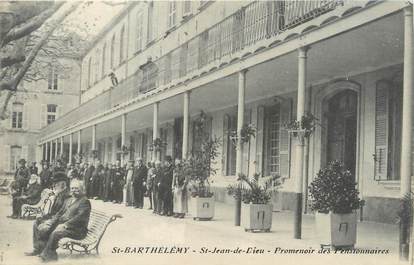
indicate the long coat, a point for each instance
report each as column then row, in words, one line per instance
column 87, row 179
column 46, row 178
column 21, row 177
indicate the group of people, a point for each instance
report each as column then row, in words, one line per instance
column 70, row 209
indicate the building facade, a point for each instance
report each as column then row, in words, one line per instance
column 158, row 66
column 37, row 104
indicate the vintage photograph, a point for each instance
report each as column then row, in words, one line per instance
column 206, row 132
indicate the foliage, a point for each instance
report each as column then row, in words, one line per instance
column 334, row 190
column 198, row 168
column 254, row 192
column 247, row 132
column 306, row 124
column 157, row 144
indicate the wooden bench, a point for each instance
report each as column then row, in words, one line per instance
column 42, row 207
column 98, row 223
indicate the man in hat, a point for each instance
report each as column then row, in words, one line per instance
column 21, row 177
column 33, row 169
column 87, row 177
column 41, row 226
column 166, row 186
column 45, row 175
column 118, row 182
column 59, row 167
column 31, row 196
column 139, row 178
column 71, row 220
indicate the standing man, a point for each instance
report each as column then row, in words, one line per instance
column 21, row 177
column 71, row 221
column 96, row 180
column 106, row 187
column 157, row 189
column 167, row 181
column 87, row 178
column 33, row 169
column 118, row 182
column 128, row 191
column 45, row 175
column 139, row 179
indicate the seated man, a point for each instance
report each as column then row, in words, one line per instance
column 71, row 220
column 40, row 231
column 31, row 196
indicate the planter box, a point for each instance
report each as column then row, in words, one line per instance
column 202, row 208
column 256, row 217
column 336, row 230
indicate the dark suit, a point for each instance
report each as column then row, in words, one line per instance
column 21, row 177
column 46, row 178
column 87, row 178
column 106, row 185
column 118, row 183
column 32, row 196
column 166, row 190
column 74, row 215
column 139, row 177
column 40, row 237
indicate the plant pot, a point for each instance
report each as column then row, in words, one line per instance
column 336, row 230
column 256, row 217
column 202, row 208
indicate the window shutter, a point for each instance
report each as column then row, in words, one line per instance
column 381, row 131
column 259, row 139
column 43, row 116
column 25, row 152
column 284, row 140
column 6, row 160
column 25, row 117
column 247, row 120
column 226, row 121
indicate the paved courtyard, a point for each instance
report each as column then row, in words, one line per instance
column 141, row 228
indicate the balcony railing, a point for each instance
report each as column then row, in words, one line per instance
column 247, row 26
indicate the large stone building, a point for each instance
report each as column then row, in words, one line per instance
column 37, row 104
column 266, row 63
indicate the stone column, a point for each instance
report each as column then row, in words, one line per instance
column 61, row 146
column 70, row 147
column 406, row 136
column 155, row 129
column 93, row 147
column 79, row 142
column 50, row 151
column 240, row 123
column 56, row 148
column 299, row 154
column 186, row 121
column 123, row 135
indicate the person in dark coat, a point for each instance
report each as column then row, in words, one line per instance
column 157, row 189
column 106, row 185
column 33, row 169
column 118, row 182
column 59, row 167
column 87, row 179
column 46, row 175
column 166, row 187
column 31, row 196
column 71, row 221
column 96, row 180
column 60, row 195
column 21, row 177
column 139, row 181
column 150, row 184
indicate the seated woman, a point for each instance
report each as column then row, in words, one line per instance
column 71, row 220
column 31, row 196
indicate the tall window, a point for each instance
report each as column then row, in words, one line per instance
column 229, row 126
column 103, row 60
column 172, row 13
column 272, row 138
column 52, row 80
column 90, row 72
column 121, row 45
column 138, row 40
column 17, row 116
column 113, row 51
column 51, row 113
column 186, row 8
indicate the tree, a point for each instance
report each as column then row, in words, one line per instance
column 25, row 29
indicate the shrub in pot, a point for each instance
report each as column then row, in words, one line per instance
column 334, row 198
column 256, row 213
column 197, row 169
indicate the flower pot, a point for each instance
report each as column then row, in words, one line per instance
column 202, row 208
column 336, row 230
column 256, row 217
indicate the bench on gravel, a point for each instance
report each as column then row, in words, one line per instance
column 98, row 223
column 42, row 207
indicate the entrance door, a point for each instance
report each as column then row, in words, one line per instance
column 342, row 129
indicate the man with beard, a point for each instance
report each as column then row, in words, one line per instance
column 118, row 182
column 87, row 179
column 166, row 186
column 139, row 179
column 21, row 177
column 71, row 221
column 40, row 226
column 45, row 175
column 31, row 196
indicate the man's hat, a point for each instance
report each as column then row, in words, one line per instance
column 59, row 176
column 22, row 161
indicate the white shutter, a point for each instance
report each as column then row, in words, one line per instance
column 6, row 161
column 381, row 131
column 25, row 152
column 43, row 116
column 284, row 138
column 26, row 117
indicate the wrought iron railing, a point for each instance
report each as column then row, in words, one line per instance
column 247, row 26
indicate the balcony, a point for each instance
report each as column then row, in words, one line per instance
column 225, row 41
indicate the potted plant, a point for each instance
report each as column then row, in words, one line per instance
column 256, row 208
column 305, row 126
column 197, row 169
column 334, row 198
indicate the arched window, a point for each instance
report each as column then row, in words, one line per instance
column 103, row 60
column 121, row 45
column 113, row 51
column 90, row 72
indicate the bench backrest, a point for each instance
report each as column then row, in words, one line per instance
column 98, row 222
